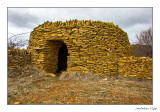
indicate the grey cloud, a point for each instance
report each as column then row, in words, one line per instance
column 124, row 17
column 132, row 16
column 19, row 19
column 63, row 14
column 130, row 20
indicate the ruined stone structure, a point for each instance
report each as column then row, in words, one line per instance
column 85, row 46
column 18, row 58
column 135, row 67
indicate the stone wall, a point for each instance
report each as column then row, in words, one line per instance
column 135, row 67
column 92, row 46
column 18, row 58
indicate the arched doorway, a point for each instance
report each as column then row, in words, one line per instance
column 62, row 58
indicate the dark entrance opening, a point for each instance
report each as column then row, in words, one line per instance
column 62, row 58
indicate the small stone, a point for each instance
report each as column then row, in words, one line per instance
column 105, row 79
column 16, row 102
column 30, row 76
column 50, row 74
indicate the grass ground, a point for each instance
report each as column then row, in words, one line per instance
column 51, row 90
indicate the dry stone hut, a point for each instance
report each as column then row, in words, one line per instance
column 85, row 46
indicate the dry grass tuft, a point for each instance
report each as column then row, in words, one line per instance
column 25, row 71
column 75, row 75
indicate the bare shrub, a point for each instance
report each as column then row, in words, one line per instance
column 144, row 44
column 18, row 40
column 145, row 37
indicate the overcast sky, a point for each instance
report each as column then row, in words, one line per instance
column 131, row 20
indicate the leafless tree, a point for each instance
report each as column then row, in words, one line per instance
column 143, row 46
column 145, row 37
column 17, row 41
